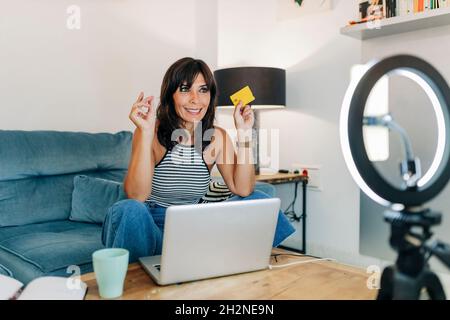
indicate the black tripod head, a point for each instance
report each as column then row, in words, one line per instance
column 403, row 238
column 410, row 235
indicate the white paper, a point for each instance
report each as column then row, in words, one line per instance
column 53, row 288
column 9, row 287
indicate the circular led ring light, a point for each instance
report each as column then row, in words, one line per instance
column 352, row 141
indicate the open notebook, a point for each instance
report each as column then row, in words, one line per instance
column 43, row 288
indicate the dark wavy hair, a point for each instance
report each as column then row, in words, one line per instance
column 183, row 71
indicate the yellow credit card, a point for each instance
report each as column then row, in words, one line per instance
column 245, row 95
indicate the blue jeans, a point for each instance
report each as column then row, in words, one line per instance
column 284, row 228
column 135, row 226
column 138, row 227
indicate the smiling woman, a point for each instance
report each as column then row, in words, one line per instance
column 188, row 95
column 173, row 152
column 193, row 98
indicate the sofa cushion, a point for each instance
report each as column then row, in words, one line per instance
column 22, row 269
column 25, row 154
column 26, row 272
column 42, row 199
column 51, row 246
column 5, row 271
column 217, row 191
column 92, row 197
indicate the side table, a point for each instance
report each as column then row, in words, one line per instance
column 280, row 178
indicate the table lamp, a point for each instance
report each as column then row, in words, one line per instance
column 268, row 86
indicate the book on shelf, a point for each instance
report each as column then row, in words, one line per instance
column 43, row 288
column 370, row 10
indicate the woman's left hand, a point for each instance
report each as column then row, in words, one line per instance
column 243, row 117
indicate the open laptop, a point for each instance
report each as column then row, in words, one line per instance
column 214, row 239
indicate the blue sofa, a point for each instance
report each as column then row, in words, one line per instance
column 37, row 170
column 39, row 235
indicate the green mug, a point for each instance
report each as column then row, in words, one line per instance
column 110, row 268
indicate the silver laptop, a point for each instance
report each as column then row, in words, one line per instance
column 214, row 239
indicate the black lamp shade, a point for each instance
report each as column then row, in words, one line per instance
column 267, row 84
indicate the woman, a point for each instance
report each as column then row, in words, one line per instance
column 173, row 152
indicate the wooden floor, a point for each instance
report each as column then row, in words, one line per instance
column 316, row 280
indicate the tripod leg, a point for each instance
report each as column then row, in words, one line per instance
column 407, row 287
column 398, row 286
column 434, row 286
column 386, row 284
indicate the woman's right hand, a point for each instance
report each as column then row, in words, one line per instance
column 143, row 114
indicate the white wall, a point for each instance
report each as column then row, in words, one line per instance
column 86, row 80
column 318, row 60
column 206, row 32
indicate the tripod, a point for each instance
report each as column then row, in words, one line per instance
column 411, row 273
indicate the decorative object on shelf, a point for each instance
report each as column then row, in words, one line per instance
column 381, row 9
column 398, row 24
column 370, row 11
column 363, row 6
column 267, row 84
column 376, row 10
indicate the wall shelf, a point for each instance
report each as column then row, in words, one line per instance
column 390, row 26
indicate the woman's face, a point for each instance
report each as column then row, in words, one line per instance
column 192, row 103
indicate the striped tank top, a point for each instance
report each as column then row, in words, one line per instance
column 181, row 177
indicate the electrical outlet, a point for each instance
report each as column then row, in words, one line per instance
column 314, row 181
